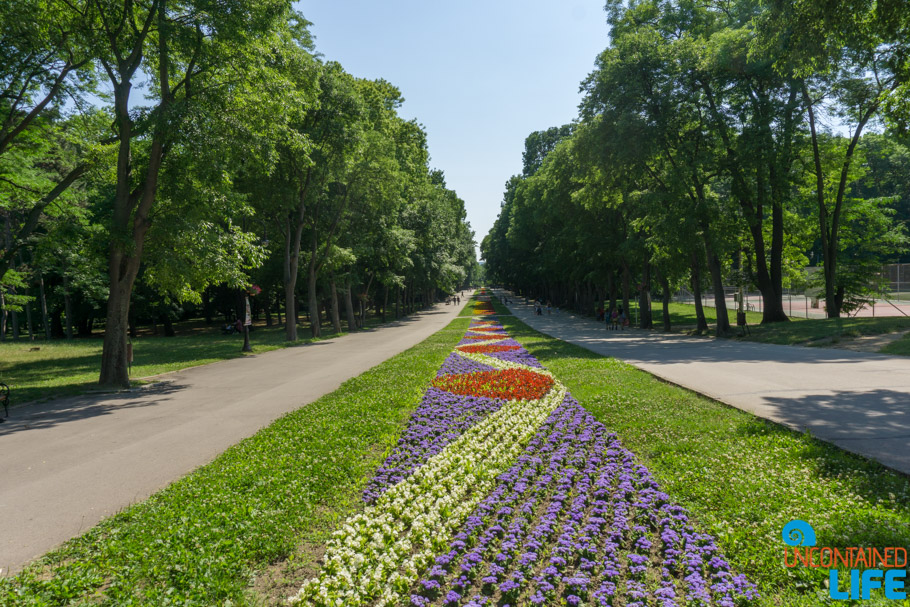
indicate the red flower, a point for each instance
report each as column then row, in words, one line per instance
column 510, row 384
column 486, row 349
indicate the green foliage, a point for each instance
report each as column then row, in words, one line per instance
column 698, row 154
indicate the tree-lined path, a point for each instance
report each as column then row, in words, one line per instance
column 71, row 462
column 858, row 401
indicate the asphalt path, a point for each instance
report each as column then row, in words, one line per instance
column 68, row 463
column 856, row 400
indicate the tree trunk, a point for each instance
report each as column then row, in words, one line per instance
column 132, row 206
column 114, row 366
column 44, row 321
column 644, row 298
column 313, row 300
column 665, row 301
column 168, row 325
column 56, row 324
column 349, row 309
column 626, row 277
column 28, row 321
column 611, row 289
column 385, row 301
column 701, row 322
column 336, row 317
column 720, row 301
column 278, row 306
column 67, row 308
column 293, row 235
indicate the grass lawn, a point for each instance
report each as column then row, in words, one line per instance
column 61, row 367
column 742, row 478
column 901, row 347
column 684, row 314
column 212, row 538
column 823, row 331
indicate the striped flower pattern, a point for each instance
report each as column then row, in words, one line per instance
column 503, row 490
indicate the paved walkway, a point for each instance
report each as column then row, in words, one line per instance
column 856, row 400
column 66, row 464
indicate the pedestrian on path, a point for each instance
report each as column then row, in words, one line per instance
column 614, row 319
column 622, row 319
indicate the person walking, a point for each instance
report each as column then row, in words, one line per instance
column 614, row 319
column 622, row 319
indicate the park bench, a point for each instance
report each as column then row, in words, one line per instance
column 4, row 400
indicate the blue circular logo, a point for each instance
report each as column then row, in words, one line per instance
column 798, row 533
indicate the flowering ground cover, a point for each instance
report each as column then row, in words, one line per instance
column 740, row 477
column 503, row 490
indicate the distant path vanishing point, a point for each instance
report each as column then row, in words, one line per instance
column 68, row 463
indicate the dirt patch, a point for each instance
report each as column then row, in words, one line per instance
column 283, row 579
column 867, row 343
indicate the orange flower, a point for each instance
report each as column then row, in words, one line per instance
column 486, row 349
column 510, row 384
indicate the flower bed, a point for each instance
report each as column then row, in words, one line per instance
column 503, row 490
column 488, row 348
column 509, row 384
column 484, row 307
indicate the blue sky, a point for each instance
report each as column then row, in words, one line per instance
column 480, row 76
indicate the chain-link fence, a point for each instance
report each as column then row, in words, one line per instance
column 893, row 298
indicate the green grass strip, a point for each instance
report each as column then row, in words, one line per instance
column 45, row 369
column 741, row 477
column 824, row 331
column 205, row 538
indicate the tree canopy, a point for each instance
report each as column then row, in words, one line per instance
column 722, row 145
column 174, row 154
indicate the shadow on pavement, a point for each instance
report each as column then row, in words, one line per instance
column 59, row 411
column 875, row 414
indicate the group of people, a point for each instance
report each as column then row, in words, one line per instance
column 455, row 299
column 618, row 318
column 538, row 307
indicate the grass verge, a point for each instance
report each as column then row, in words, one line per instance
column 741, row 477
column 684, row 314
column 823, row 331
column 46, row 369
column 265, row 506
column 901, row 347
